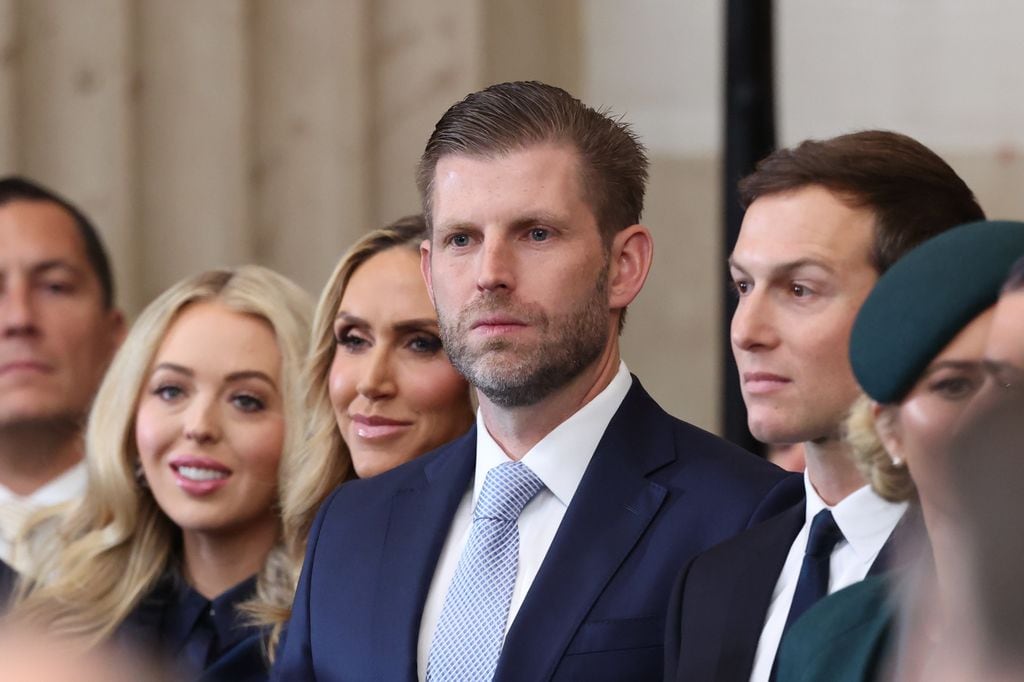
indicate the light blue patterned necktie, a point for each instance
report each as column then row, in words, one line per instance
column 471, row 630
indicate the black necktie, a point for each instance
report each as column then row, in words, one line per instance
column 813, row 582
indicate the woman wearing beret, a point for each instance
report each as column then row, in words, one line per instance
column 179, row 530
column 989, row 643
column 381, row 390
column 917, row 350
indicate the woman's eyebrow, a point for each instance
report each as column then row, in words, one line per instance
column 251, row 374
column 349, row 318
column 415, row 325
column 953, row 364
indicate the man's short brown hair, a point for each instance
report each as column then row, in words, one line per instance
column 913, row 193
column 508, row 117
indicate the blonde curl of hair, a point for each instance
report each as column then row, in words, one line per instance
column 891, row 481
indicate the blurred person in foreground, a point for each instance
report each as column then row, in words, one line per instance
column 59, row 328
column 823, row 221
column 179, row 531
column 918, row 349
column 381, row 390
column 28, row 655
column 542, row 544
column 985, row 642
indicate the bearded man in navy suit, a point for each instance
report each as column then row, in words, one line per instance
column 533, row 200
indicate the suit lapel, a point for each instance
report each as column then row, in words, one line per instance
column 421, row 513
column 751, row 592
column 610, row 511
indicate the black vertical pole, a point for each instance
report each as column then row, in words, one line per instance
column 749, row 137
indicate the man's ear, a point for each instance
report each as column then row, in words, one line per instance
column 117, row 328
column 425, row 268
column 632, row 253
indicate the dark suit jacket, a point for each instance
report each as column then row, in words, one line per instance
column 656, row 492
column 720, row 601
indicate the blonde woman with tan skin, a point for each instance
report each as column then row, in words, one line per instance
column 381, row 389
column 179, row 532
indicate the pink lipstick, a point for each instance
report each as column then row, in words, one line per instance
column 378, row 428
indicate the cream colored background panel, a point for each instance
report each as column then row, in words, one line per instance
column 74, row 111
column 311, row 107
column 424, row 58
column 8, row 75
column 196, row 141
column 672, row 340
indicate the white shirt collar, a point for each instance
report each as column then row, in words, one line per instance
column 561, row 457
column 862, row 516
column 67, row 486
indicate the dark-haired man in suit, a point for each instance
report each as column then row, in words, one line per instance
column 543, row 544
column 823, row 220
column 58, row 330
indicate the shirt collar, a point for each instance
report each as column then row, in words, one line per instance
column 67, row 486
column 186, row 606
column 560, row 458
column 865, row 518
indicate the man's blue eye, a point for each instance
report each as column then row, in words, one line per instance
column 460, row 240
column 538, row 234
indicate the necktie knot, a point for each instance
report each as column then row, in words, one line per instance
column 824, row 535
column 507, row 489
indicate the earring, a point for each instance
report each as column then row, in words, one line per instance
column 897, row 461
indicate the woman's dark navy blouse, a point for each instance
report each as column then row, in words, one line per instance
column 206, row 640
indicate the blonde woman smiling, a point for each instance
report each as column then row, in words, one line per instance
column 179, row 529
column 381, row 388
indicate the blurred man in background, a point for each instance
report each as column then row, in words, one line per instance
column 58, row 331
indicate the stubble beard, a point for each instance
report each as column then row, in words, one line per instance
column 512, row 374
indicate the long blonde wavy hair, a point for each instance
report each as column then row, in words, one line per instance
column 323, row 462
column 94, row 560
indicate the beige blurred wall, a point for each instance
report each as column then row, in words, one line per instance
column 201, row 133
column 207, row 132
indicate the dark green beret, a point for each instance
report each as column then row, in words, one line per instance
column 925, row 299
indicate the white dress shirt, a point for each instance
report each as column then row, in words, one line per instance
column 559, row 460
column 68, row 486
column 866, row 521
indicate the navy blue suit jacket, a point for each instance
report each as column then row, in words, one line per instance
column 657, row 492
column 720, row 601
